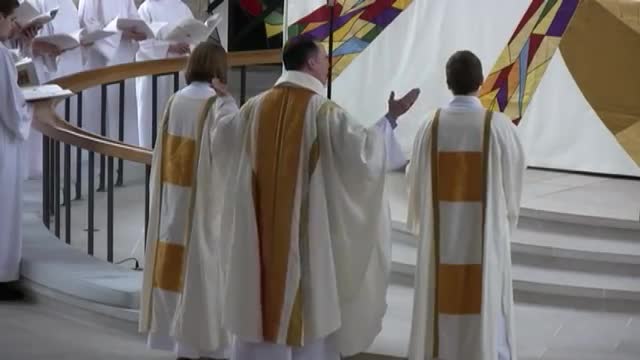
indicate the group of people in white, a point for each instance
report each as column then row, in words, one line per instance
column 269, row 231
column 21, row 155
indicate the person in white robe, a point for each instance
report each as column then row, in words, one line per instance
column 51, row 67
column 305, row 220
column 170, row 12
column 465, row 181
column 177, row 311
column 15, row 124
column 118, row 49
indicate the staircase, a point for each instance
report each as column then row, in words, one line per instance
column 559, row 254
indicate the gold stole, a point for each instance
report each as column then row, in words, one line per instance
column 457, row 177
column 178, row 168
column 275, row 180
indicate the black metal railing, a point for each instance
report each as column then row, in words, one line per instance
column 111, row 168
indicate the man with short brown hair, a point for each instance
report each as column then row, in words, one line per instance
column 465, row 181
column 305, row 217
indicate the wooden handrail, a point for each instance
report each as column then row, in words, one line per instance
column 84, row 80
column 48, row 123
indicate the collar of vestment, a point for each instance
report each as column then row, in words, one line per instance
column 303, row 80
column 465, row 103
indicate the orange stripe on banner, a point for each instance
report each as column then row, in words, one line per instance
column 169, row 266
column 178, row 154
column 460, row 289
column 460, row 176
column 279, row 138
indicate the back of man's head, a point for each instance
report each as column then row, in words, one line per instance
column 297, row 52
column 464, row 73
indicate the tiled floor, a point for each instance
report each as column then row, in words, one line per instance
column 51, row 331
column 568, row 329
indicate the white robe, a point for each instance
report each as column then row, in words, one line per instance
column 320, row 294
column 69, row 62
column 154, row 11
column 479, row 322
column 114, row 50
column 184, row 316
column 15, row 124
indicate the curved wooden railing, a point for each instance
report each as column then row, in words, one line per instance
column 57, row 131
column 49, row 124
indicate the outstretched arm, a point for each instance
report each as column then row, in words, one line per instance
column 394, row 155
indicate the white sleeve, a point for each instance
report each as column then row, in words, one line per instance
column 512, row 162
column 15, row 113
column 225, row 108
column 416, row 171
column 395, row 157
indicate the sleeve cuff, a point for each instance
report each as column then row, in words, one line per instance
column 392, row 122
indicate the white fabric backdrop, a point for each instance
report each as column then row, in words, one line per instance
column 560, row 130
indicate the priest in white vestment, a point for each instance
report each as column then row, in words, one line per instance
column 15, row 124
column 465, row 181
column 305, row 219
column 51, row 67
column 170, row 12
column 182, row 298
column 118, row 49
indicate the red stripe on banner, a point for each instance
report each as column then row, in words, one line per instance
column 253, row 7
column 535, row 5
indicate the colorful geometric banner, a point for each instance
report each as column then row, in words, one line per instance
column 519, row 69
column 356, row 24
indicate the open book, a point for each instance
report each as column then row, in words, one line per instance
column 27, row 74
column 73, row 40
column 137, row 25
column 189, row 31
column 27, row 16
column 44, row 92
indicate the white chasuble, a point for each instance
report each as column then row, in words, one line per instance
column 182, row 290
column 464, row 186
column 306, row 220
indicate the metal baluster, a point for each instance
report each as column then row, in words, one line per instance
column 110, row 209
column 103, row 132
column 79, row 152
column 46, row 174
column 154, row 110
column 146, row 203
column 52, row 184
column 120, row 179
column 56, row 186
column 176, row 82
column 67, row 109
column 67, row 193
column 243, row 84
column 91, row 204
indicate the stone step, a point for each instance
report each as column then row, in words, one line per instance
column 549, row 275
column 560, row 239
column 575, row 241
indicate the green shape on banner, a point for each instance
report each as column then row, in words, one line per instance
column 372, row 34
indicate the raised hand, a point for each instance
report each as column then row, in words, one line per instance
column 29, row 33
column 220, row 88
column 399, row 107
